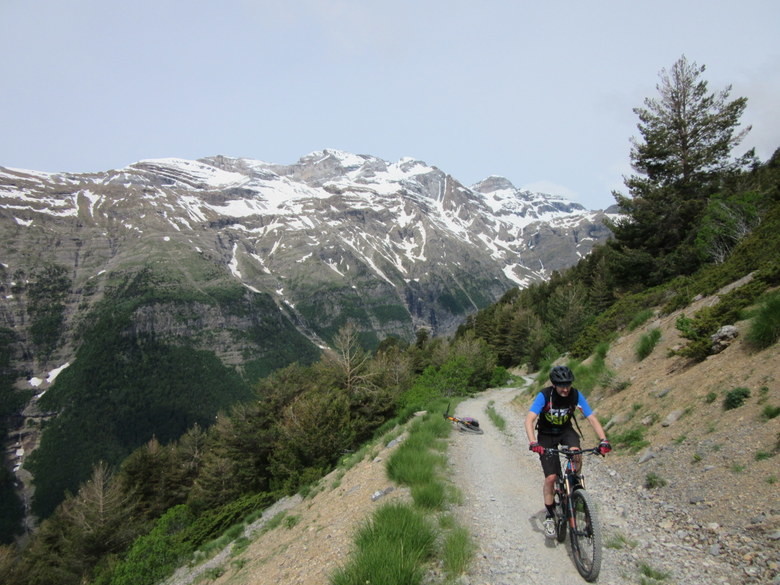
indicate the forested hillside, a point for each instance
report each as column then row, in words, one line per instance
column 695, row 219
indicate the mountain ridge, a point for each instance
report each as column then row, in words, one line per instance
column 338, row 215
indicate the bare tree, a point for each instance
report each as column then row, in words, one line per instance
column 351, row 360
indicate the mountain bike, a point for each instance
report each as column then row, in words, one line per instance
column 466, row 424
column 575, row 512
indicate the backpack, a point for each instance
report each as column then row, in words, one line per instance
column 554, row 422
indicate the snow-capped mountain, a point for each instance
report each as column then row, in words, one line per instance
column 331, row 238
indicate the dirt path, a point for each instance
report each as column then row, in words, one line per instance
column 502, row 501
column 502, row 504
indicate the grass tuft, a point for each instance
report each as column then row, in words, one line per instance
column 647, row 343
column 458, row 551
column 496, row 418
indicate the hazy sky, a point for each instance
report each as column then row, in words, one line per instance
column 540, row 91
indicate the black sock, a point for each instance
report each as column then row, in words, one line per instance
column 550, row 510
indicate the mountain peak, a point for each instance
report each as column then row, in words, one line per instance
column 494, row 183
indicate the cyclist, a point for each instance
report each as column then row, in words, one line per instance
column 551, row 414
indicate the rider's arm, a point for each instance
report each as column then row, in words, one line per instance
column 530, row 425
column 533, row 414
column 594, row 422
column 583, row 405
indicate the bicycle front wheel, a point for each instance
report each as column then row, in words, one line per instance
column 585, row 534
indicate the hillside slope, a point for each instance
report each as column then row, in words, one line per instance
column 718, row 515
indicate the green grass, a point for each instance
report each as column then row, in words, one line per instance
column 618, row 541
column 653, row 480
column 275, row 522
column 647, row 343
column 458, row 551
column 496, row 418
column 397, row 544
column 650, row 576
column 765, row 325
column 391, row 548
column 639, row 319
column 430, row 495
column 592, row 375
column 414, row 464
column 631, row 440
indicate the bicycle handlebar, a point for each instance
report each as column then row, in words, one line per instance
column 571, row 452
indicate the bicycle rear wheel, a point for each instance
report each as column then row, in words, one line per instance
column 464, row 426
column 585, row 533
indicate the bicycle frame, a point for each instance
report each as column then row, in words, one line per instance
column 576, row 513
column 462, row 424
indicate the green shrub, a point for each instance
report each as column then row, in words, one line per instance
column 765, row 325
column 214, row 523
column 647, row 343
column 706, row 321
column 499, row 377
column 770, row 412
column 156, row 555
column 735, row 398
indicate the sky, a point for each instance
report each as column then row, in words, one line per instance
column 541, row 92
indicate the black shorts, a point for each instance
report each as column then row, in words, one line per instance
column 551, row 463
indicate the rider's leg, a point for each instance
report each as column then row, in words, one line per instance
column 549, row 490
column 550, row 467
column 572, row 439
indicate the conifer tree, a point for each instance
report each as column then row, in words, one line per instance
column 687, row 137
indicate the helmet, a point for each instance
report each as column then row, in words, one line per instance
column 561, row 375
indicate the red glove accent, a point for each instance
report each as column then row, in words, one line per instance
column 604, row 447
column 536, row 448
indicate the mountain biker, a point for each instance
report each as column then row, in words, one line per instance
column 551, row 414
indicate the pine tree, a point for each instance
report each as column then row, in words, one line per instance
column 687, row 137
column 99, row 520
